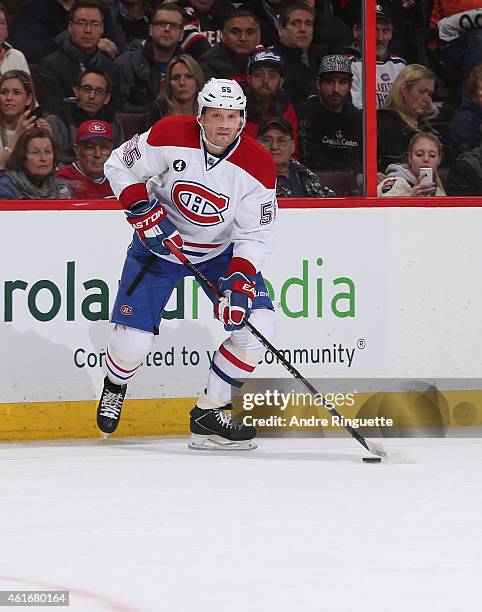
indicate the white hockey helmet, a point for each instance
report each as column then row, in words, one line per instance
column 222, row 93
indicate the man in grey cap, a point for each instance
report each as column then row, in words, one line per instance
column 330, row 130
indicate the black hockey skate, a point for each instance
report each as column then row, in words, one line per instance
column 110, row 406
column 215, row 430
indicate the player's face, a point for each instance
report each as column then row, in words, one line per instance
column 241, row 35
column 220, row 125
column 92, row 94
column 418, row 97
column 86, row 28
column 39, row 161
column 92, row 155
column 14, row 99
column 384, row 36
column 183, row 84
column 280, row 145
column 167, row 29
column 333, row 89
column 265, row 82
column 298, row 32
column 424, row 154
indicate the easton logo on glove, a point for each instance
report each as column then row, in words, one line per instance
column 149, row 220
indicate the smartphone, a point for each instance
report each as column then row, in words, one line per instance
column 36, row 112
column 426, row 175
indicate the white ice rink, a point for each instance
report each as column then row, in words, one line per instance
column 297, row 525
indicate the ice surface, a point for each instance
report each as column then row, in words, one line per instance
column 296, row 525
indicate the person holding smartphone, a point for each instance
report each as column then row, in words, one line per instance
column 418, row 176
column 18, row 110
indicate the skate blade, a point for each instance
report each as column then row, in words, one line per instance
column 198, row 442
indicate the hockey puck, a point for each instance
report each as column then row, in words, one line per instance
column 371, row 459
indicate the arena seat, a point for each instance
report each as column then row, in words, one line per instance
column 343, row 182
column 130, row 123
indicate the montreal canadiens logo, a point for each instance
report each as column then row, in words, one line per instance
column 126, row 310
column 199, row 204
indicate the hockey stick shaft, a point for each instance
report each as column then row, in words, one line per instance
column 373, row 447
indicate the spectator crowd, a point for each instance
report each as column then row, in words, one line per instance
column 79, row 77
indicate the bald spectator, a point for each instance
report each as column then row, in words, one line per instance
column 85, row 177
column 59, row 72
column 229, row 58
column 295, row 27
column 143, row 70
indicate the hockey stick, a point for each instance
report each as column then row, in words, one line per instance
column 374, row 447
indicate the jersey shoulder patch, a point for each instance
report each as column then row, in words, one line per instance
column 175, row 131
column 252, row 157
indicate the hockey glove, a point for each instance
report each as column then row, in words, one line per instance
column 238, row 292
column 150, row 221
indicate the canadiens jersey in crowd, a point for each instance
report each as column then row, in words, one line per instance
column 83, row 186
column 212, row 201
column 387, row 72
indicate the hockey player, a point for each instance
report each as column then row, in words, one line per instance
column 215, row 198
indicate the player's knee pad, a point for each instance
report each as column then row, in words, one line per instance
column 126, row 350
column 265, row 322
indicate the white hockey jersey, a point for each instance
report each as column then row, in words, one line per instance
column 212, row 201
column 387, row 72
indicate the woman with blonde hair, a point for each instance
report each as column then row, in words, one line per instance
column 409, row 109
column 17, row 104
column 418, row 177
column 184, row 79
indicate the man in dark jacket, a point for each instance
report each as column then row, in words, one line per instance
column 133, row 16
column 92, row 96
column 59, row 72
column 229, row 58
column 143, row 69
column 39, row 29
column 296, row 35
column 330, row 131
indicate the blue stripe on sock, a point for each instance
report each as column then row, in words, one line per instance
column 115, row 373
column 225, row 377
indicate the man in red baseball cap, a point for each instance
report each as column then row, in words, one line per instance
column 85, row 177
